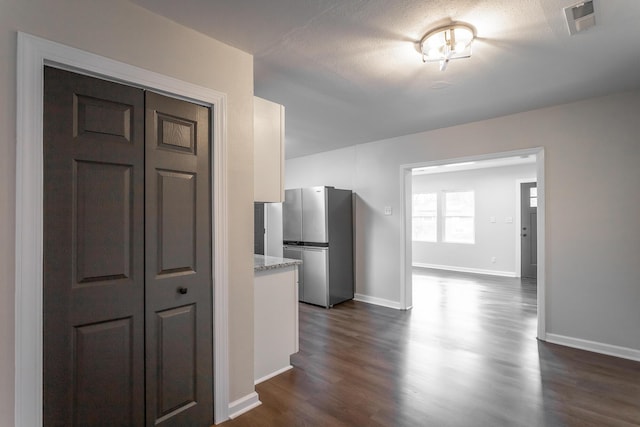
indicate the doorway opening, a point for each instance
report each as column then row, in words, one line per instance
column 463, row 222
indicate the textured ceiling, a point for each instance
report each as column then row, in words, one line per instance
column 348, row 71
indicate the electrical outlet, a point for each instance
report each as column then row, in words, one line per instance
column 493, row 260
column 388, row 210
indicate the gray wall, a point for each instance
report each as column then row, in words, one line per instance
column 495, row 196
column 119, row 30
column 592, row 151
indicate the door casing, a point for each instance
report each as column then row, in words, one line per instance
column 33, row 54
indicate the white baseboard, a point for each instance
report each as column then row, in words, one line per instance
column 272, row 374
column 244, row 404
column 466, row 269
column 377, row 301
column 596, row 347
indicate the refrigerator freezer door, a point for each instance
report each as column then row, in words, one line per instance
column 295, row 252
column 314, row 215
column 292, row 216
column 316, row 276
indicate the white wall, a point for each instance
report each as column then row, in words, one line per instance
column 495, row 196
column 122, row 31
column 592, row 151
column 332, row 169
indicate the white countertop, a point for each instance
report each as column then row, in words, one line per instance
column 265, row 262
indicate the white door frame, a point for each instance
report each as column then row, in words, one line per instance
column 405, row 235
column 33, row 54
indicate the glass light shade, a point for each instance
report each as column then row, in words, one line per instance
column 447, row 43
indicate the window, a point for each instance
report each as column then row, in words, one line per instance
column 533, row 197
column 459, row 217
column 425, row 217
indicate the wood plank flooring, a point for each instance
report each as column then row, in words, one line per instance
column 466, row 355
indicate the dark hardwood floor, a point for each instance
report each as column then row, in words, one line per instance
column 466, row 355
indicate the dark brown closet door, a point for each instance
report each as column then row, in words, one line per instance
column 107, row 287
column 178, row 264
column 93, row 252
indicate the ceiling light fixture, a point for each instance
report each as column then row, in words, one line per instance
column 443, row 44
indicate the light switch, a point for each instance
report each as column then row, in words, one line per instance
column 388, row 210
column 508, row 220
column 492, row 219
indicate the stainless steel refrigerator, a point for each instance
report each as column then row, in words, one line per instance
column 318, row 229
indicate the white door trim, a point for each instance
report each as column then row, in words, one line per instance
column 406, row 244
column 405, row 235
column 33, row 54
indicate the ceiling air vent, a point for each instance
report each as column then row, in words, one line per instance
column 580, row 17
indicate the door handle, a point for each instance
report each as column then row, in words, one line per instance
column 524, row 235
column 182, row 290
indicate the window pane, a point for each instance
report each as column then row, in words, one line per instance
column 459, row 230
column 425, row 229
column 425, row 204
column 425, row 220
column 533, row 192
column 459, row 203
column 459, row 225
column 533, row 202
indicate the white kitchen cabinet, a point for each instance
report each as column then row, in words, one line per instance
column 268, row 151
column 275, row 315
